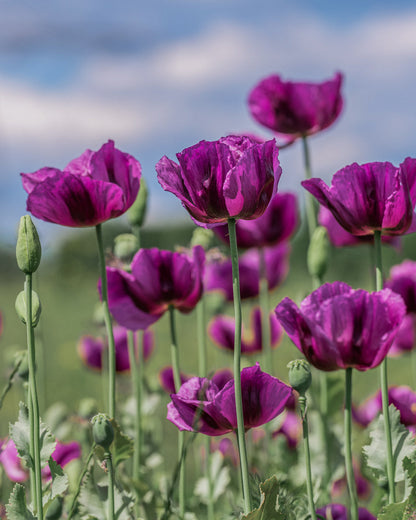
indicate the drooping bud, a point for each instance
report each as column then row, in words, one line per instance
column 202, row 237
column 28, row 248
column 102, row 431
column 300, row 377
column 126, row 246
column 137, row 212
column 21, row 307
column 318, row 252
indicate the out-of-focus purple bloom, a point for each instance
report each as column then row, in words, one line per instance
column 63, row 454
column 405, row 339
column 234, row 177
column 200, row 406
column 402, row 397
column 291, row 429
column 218, row 271
column 363, row 485
column 221, row 377
column 370, row 197
column 339, row 327
column 158, row 279
column 296, row 108
column 340, row 512
column 93, row 188
column 227, row 448
column 222, row 331
column 277, row 224
column 91, row 349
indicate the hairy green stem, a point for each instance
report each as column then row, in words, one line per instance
column 309, row 486
column 109, row 462
column 352, row 487
column 137, row 394
column 81, row 478
column 242, row 449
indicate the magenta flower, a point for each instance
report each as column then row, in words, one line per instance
column 92, row 350
column 338, row 327
column 221, row 329
column 370, row 197
column 363, row 485
column 158, row 279
column 295, row 108
column 218, row 271
column 340, row 512
column 201, row 406
column 63, row 454
column 93, row 188
column 291, row 429
column 234, row 177
column 403, row 281
column 277, row 224
column 167, row 381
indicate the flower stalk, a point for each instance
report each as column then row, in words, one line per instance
column 137, row 383
column 352, row 487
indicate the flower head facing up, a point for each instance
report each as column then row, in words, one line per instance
column 234, row 177
column 337, row 327
column 371, row 197
column 158, row 279
column 201, row 406
column 295, row 108
column 92, row 189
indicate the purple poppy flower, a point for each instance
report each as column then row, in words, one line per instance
column 340, row 512
column 227, row 448
column 363, row 485
column 158, row 279
column 200, row 406
column 92, row 349
column 277, row 224
column 222, row 331
column 296, row 108
column 291, row 429
column 405, row 339
column 403, row 281
column 167, row 382
column 373, row 196
column 234, row 177
column 63, row 454
column 338, row 327
column 93, row 188
column 218, row 271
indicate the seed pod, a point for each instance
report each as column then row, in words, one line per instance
column 202, row 237
column 125, row 246
column 21, row 307
column 137, row 212
column 318, row 252
column 28, row 248
column 102, row 431
column 300, row 377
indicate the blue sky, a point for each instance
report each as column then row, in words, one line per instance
column 159, row 76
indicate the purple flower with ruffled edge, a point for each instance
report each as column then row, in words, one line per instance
column 91, row 349
column 221, row 329
column 277, row 224
column 218, row 271
column 293, row 108
column 370, row 197
column 158, row 279
column 340, row 512
column 63, row 454
column 234, row 177
column 363, row 485
column 337, row 327
column 92, row 189
column 219, row 378
column 200, row 406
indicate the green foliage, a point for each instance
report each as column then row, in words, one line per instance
column 405, row 510
column 122, row 446
column 220, row 478
column 59, row 482
column 269, row 506
column 16, row 508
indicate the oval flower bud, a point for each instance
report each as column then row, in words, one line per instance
column 28, row 248
column 126, row 246
column 202, row 237
column 21, row 307
column 136, row 214
column 318, row 252
column 300, row 377
column 102, row 431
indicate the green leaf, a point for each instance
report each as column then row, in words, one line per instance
column 59, row 482
column 16, row 508
column 122, row 447
column 220, row 478
column 269, row 506
column 402, row 442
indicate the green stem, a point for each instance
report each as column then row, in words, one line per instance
column 384, row 378
column 264, row 306
column 33, row 396
column 108, row 325
column 309, row 202
column 81, row 478
column 352, row 487
column 134, row 370
column 33, row 495
column 242, row 449
column 181, row 435
column 109, row 462
column 309, row 486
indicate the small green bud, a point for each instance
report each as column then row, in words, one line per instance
column 21, row 308
column 137, row 212
column 300, row 377
column 125, row 246
column 28, row 248
column 55, row 508
column 87, row 407
column 202, row 237
column 102, row 431
column 318, row 252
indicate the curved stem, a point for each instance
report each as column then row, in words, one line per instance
column 109, row 462
column 352, row 488
column 309, row 486
column 242, row 449
column 108, row 326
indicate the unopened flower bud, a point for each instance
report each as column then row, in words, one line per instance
column 137, row 212
column 102, row 431
column 28, row 248
column 55, row 509
column 21, row 307
column 202, row 237
column 300, row 377
column 318, row 252
column 125, row 246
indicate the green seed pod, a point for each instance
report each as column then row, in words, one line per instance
column 21, row 308
column 300, row 377
column 55, row 508
column 137, row 212
column 102, row 431
column 202, row 237
column 318, row 252
column 125, row 246
column 28, row 248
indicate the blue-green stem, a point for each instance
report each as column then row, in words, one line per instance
column 352, row 487
column 309, row 202
column 242, row 449
column 136, row 375
column 32, row 451
column 181, row 435
column 35, row 428
column 108, row 326
column 109, row 462
column 384, row 379
column 264, row 306
column 305, row 430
